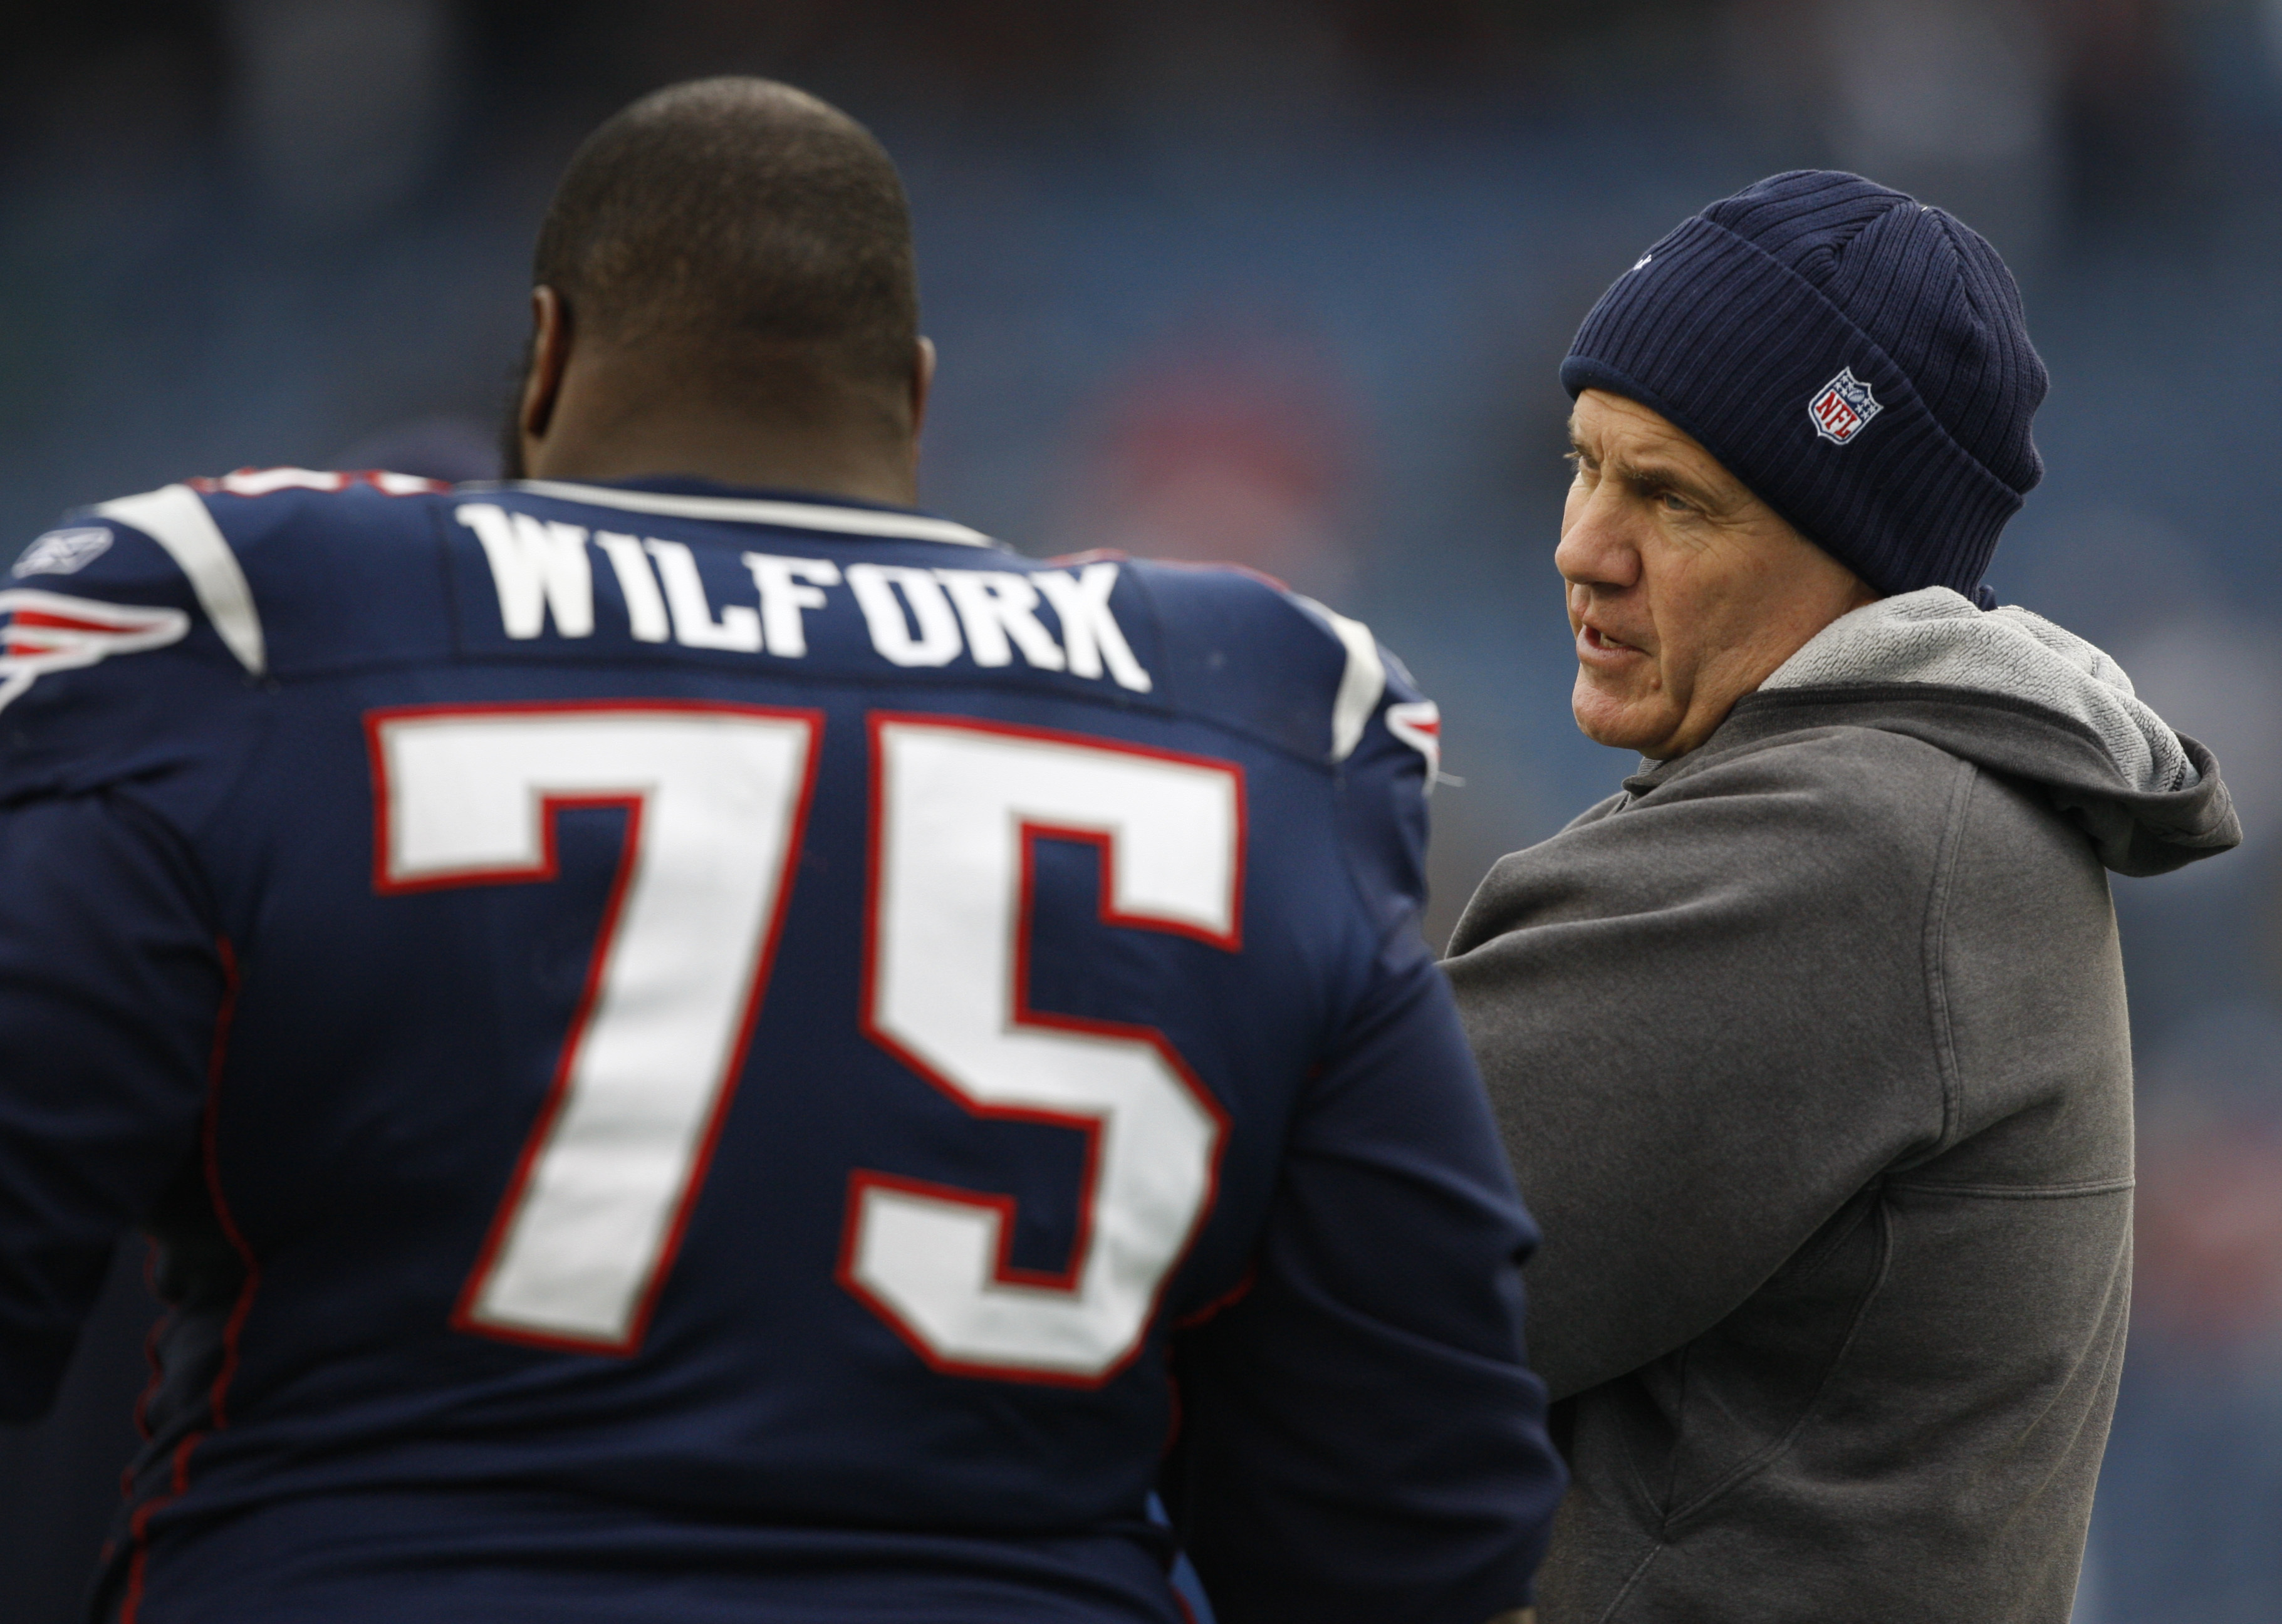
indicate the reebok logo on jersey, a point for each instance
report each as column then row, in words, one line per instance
column 64, row 552
column 47, row 632
column 543, row 570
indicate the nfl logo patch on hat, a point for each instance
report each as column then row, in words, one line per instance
column 1842, row 407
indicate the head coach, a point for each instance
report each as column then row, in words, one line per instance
column 1810, row 1047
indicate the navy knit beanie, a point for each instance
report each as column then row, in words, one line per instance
column 1855, row 357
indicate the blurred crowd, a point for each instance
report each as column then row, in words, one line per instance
column 1283, row 282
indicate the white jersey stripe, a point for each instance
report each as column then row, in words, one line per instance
column 1361, row 686
column 756, row 511
column 175, row 517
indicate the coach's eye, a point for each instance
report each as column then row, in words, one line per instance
column 1673, row 503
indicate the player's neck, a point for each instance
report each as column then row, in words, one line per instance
column 730, row 453
column 613, row 420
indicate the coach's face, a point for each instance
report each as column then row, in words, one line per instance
column 1685, row 590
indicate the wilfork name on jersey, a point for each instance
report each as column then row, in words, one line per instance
column 543, row 571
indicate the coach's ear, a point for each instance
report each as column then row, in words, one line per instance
column 550, row 355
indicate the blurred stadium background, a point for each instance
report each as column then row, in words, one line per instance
column 1285, row 282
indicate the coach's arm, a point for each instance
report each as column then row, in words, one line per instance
column 1705, row 1023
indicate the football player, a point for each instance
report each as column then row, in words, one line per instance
column 700, row 1045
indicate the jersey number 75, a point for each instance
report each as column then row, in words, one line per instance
column 716, row 797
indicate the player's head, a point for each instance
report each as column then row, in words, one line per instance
column 729, row 250
column 1842, row 377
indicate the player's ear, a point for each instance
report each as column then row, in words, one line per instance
column 922, row 384
column 550, row 354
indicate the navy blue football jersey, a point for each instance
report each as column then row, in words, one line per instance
column 702, row 1056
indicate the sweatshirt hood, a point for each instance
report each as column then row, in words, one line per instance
column 2010, row 691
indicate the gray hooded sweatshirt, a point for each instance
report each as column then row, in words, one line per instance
column 1811, row 1052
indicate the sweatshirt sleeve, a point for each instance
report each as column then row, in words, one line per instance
column 1705, row 1021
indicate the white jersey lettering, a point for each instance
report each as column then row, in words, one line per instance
column 875, row 587
column 739, row 629
column 787, row 586
column 538, row 567
column 645, row 606
column 915, row 617
column 1090, row 635
column 996, row 606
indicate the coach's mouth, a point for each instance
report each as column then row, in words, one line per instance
column 1596, row 646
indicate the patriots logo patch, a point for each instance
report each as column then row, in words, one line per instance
column 1418, row 724
column 1842, row 407
column 42, row 631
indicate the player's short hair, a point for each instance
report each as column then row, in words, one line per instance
column 760, row 235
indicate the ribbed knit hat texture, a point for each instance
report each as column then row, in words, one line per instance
column 1857, row 358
